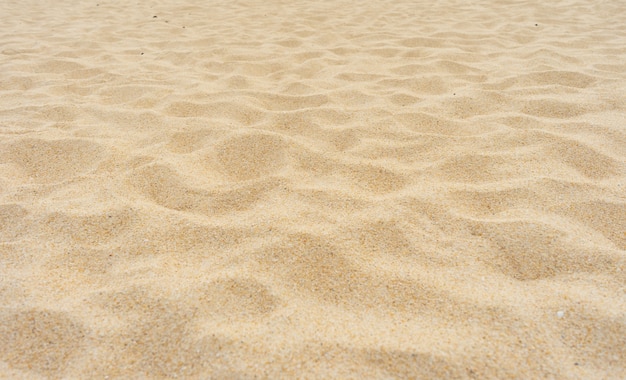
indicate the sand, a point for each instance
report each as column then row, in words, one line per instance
column 312, row 189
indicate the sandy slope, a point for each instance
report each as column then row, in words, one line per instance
column 313, row 189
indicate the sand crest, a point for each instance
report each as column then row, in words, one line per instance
column 319, row 189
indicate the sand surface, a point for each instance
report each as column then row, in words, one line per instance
column 313, row 189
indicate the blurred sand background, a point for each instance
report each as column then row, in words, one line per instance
column 313, row 189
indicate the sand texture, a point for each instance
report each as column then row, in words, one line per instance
column 313, row 189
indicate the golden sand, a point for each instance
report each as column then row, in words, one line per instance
column 313, row 189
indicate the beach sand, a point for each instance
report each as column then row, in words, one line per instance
column 313, row 189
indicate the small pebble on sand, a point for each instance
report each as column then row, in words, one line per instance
column 560, row 313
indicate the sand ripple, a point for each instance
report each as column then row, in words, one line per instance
column 313, row 189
